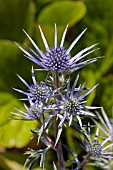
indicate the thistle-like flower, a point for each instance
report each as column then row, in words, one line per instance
column 58, row 59
column 33, row 112
column 38, row 92
column 106, row 125
column 73, row 104
column 96, row 149
column 106, row 164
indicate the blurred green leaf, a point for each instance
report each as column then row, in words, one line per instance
column 75, row 11
column 90, row 79
column 104, row 96
column 12, row 62
column 104, row 10
column 7, row 164
column 107, row 61
column 100, row 31
column 98, row 20
column 40, row 3
column 15, row 15
column 13, row 132
column 62, row 13
column 8, row 63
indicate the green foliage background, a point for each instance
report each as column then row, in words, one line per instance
column 96, row 15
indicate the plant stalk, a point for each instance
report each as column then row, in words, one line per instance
column 59, row 150
column 83, row 163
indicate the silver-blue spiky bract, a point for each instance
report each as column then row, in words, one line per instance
column 57, row 58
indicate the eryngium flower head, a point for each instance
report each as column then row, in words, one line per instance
column 33, row 112
column 58, row 59
column 73, row 104
column 38, row 92
column 96, row 149
column 103, row 163
column 106, row 124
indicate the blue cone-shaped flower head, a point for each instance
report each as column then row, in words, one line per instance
column 97, row 149
column 58, row 59
column 33, row 112
column 73, row 104
column 38, row 92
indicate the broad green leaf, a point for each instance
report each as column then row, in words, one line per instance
column 104, row 95
column 111, row 165
column 100, row 30
column 103, row 14
column 8, row 164
column 12, row 62
column 107, row 61
column 40, row 3
column 90, row 80
column 89, row 167
column 15, row 15
column 62, row 13
column 56, row 12
column 13, row 132
column 10, row 155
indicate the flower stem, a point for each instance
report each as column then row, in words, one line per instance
column 83, row 163
column 59, row 150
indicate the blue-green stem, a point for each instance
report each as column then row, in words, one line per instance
column 59, row 151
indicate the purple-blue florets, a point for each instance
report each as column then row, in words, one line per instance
column 57, row 60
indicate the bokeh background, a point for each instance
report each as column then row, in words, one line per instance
column 96, row 15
